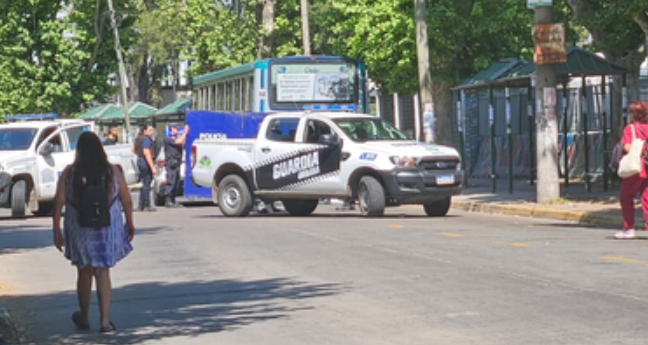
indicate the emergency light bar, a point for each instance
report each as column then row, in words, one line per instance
column 28, row 117
column 330, row 107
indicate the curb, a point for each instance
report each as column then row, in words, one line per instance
column 581, row 218
column 8, row 331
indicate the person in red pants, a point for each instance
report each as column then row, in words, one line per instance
column 632, row 185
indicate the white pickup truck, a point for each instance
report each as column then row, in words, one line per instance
column 34, row 153
column 298, row 158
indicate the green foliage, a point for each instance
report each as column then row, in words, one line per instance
column 465, row 36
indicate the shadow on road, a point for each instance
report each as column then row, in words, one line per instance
column 23, row 237
column 150, row 312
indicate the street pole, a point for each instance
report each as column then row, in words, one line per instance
column 305, row 30
column 425, row 79
column 548, row 186
column 122, row 69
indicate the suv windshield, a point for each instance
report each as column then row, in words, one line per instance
column 369, row 129
column 16, row 138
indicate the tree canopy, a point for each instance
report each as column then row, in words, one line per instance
column 59, row 55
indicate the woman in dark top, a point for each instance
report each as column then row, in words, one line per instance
column 145, row 162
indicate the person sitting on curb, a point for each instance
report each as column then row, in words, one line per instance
column 632, row 185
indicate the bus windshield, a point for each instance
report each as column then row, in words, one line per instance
column 365, row 129
column 313, row 82
column 16, row 138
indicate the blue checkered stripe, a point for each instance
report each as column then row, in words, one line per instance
column 310, row 180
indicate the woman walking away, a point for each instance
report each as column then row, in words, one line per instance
column 632, row 185
column 96, row 238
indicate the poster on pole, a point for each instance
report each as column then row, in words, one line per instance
column 539, row 3
column 549, row 44
column 429, row 123
column 549, row 98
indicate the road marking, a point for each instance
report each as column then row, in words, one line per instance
column 625, row 260
column 501, row 243
column 394, row 226
column 450, row 234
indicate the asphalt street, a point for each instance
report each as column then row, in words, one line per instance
column 197, row 277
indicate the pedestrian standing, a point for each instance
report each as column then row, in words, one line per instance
column 93, row 244
column 145, row 151
column 636, row 184
column 173, row 146
column 113, row 136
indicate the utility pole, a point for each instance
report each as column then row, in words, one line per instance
column 122, row 69
column 305, row 29
column 549, row 50
column 425, row 79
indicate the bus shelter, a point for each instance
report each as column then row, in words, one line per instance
column 496, row 105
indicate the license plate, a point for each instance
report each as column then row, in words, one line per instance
column 445, row 179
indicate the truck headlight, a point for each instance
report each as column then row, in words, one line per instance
column 405, row 161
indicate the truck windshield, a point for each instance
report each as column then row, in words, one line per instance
column 16, row 138
column 365, row 129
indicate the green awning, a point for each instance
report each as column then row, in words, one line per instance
column 136, row 111
column 174, row 108
column 96, row 112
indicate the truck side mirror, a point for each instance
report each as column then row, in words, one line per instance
column 47, row 148
column 329, row 139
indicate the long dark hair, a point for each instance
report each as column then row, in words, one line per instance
column 91, row 163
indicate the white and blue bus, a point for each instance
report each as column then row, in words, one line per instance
column 283, row 84
column 230, row 103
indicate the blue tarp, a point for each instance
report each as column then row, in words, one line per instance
column 210, row 123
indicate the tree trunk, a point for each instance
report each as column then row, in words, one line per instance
column 143, row 82
column 442, row 96
column 425, row 80
column 267, row 23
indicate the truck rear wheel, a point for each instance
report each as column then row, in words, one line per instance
column 300, row 208
column 19, row 199
column 371, row 197
column 437, row 208
column 234, row 197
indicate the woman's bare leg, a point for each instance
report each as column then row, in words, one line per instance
column 104, row 294
column 84, row 290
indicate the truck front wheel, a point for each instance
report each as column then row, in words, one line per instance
column 371, row 197
column 19, row 199
column 438, row 208
column 234, row 197
column 300, row 208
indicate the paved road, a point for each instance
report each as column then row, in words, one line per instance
column 335, row 278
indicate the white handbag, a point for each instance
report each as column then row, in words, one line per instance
column 630, row 164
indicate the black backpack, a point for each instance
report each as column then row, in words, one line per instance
column 94, row 206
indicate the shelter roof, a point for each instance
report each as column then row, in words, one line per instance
column 174, row 108
column 580, row 62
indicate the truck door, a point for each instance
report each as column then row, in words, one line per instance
column 286, row 161
column 273, row 147
column 329, row 181
column 52, row 156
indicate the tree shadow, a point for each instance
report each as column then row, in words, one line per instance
column 25, row 237
column 157, row 310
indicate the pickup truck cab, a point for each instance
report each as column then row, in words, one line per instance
column 33, row 155
column 298, row 158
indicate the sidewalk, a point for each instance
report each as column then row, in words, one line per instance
column 597, row 208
